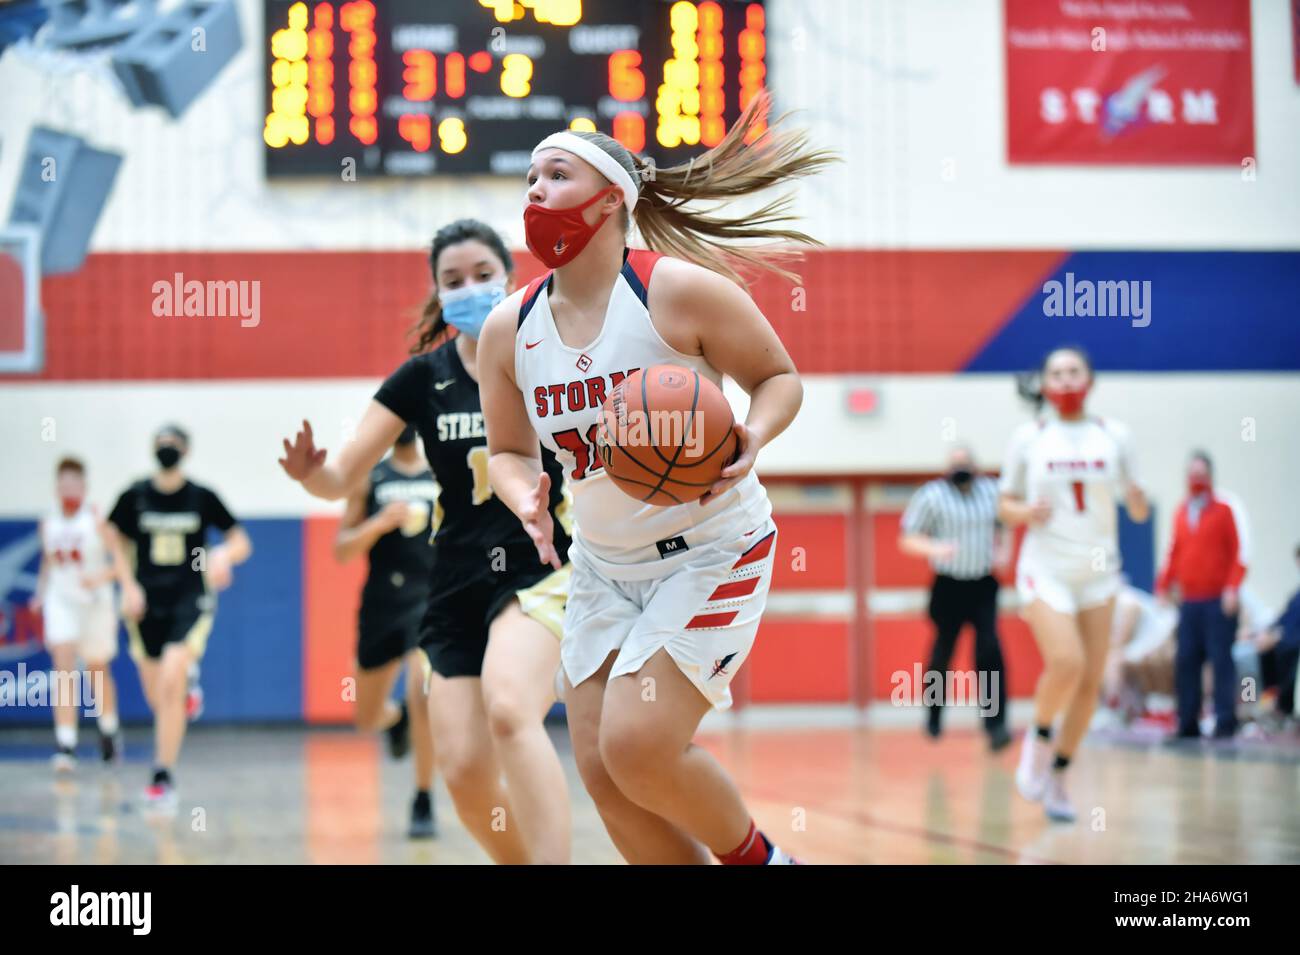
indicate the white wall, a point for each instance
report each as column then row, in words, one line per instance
column 898, row 86
column 237, row 428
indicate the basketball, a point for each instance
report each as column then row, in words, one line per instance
column 665, row 434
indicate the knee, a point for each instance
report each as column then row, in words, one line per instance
column 172, row 684
column 635, row 761
column 464, row 772
column 367, row 720
column 1067, row 666
column 506, row 716
column 1089, row 684
column 595, row 776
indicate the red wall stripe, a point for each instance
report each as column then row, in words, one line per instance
column 344, row 314
column 331, row 598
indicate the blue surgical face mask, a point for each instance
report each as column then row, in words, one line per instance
column 467, row 307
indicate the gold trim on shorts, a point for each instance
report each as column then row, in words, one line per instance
column 196, row 639
column 544, row 601
column 134, row 642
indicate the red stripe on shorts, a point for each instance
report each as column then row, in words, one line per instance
column 757, row 552
column 712, row 620
column 737, row 588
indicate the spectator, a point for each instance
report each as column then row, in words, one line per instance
column 1204, row 563
column 1278, row 649
column 1141, row 660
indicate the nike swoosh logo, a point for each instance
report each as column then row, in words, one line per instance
column 534, row 344
column 444, row 384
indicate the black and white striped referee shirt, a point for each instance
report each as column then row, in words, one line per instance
column 939, row 510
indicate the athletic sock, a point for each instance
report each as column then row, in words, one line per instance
column 66, row 737
column 753, row 850
column 108, row 723
column 1060, row 763
column 162, row 776
column 1045, row 732
column 423, row 800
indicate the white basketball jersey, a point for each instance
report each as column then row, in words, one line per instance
column 565, row 388
column 1081, row 468
column 73, row 548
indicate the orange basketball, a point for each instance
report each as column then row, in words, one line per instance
column 665, row 434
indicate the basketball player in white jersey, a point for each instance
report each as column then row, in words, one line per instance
column 75, row 596
column 1065, row 475
column 664, row 602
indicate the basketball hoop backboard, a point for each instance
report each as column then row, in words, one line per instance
column 21, row 322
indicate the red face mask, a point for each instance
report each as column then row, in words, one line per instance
column 556, row 236
column 70, row 505
column 1198, row 485
column 1066, row 402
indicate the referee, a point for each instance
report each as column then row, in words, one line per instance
column 952, row 521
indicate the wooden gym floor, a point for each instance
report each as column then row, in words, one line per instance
column 831, row 795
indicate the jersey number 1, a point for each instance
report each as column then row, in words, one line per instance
column 1078, row 495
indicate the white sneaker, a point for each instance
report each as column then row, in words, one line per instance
column 1035, row 766
column 161, row 798
column 780, row 857
column 64, row 761
column 1056, row 800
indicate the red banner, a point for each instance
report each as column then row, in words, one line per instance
column 1129, row 81
column 1295, row 36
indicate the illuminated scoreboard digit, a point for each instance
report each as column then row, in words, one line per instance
column 415, row 88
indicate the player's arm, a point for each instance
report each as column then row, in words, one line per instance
column 736, row 339
column 236, row 545
column 357, row 532
column 1135, row 499
column 1169, row 573
column 42, row 574
column 114, row 569
column 306, row 464
column 133, row 598
column 514, row 453
column 1013, row 509
column 1003, row 548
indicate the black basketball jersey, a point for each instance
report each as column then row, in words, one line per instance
column 401, row 560
column 434, row 392
column 167, row 530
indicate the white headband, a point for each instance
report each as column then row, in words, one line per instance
column 604, row 163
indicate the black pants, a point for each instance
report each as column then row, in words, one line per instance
column 1278, row 668
column 954, row 603
column 1204, row 630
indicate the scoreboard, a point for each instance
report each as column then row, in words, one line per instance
column 418, row 87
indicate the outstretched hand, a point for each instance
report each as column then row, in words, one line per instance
column 537, row 521
column 302, row 459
